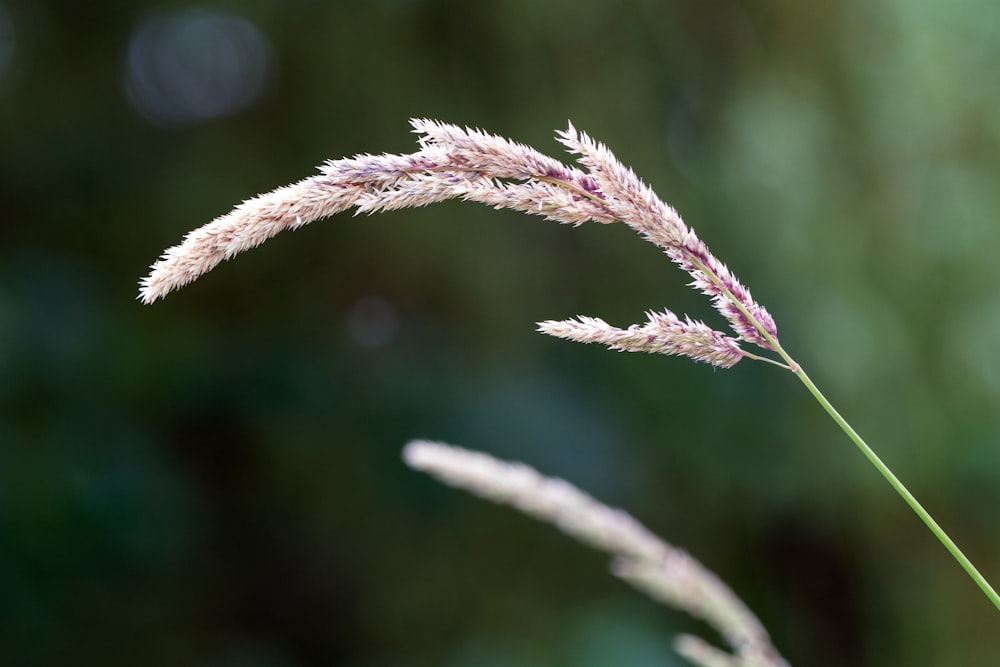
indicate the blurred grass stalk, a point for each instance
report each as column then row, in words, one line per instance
column 665, row 573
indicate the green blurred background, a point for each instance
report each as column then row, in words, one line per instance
column 215, row 479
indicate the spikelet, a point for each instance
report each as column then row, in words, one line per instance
column 663, row 333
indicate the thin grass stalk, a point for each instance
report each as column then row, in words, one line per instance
column 883, row 469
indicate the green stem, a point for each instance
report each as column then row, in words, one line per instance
column 896, row 484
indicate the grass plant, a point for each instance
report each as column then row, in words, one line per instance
column 455, row 162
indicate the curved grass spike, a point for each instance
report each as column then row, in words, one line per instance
column 455, row 162
column 658, row 569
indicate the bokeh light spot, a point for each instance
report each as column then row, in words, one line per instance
column 372, row 321
column 196, row 65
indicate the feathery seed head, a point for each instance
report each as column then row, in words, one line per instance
column 455, row 162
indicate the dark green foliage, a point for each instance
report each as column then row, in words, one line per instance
column 215, row 479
